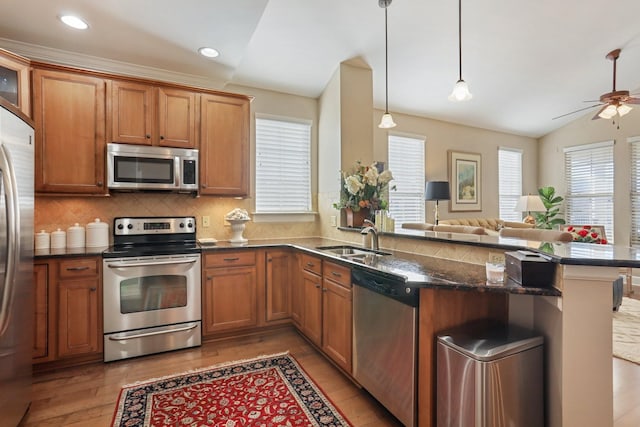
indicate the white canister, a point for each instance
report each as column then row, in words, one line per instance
column 58, row 239
column 75, row 236
column 42, row 240
column 97, row 234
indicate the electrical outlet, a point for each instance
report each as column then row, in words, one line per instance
column 334, row 221
column 206, row 221
column 496, row 257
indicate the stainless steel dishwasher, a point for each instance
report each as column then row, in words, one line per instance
column 384, row 335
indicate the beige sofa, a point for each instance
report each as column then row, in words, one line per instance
column 491, row 225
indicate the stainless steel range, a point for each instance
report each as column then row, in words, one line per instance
column 151, row 282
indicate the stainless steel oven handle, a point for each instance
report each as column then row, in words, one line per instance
column 150, row 334
column 150, row 263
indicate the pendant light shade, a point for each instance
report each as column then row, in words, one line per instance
column 461, row 89
column 387, row 121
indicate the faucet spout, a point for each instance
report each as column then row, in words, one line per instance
column 371, row 230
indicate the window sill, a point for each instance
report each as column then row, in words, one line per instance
column 284, row 216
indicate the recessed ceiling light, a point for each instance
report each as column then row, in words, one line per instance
column 209, row 52
column 74, row 22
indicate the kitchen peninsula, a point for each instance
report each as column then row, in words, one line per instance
column 574, row 315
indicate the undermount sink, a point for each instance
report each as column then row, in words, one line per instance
column 350, row 251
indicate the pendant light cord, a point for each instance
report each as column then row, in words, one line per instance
column 386, row 64
column 460, row 38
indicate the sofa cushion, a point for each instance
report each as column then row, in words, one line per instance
column 492, row 224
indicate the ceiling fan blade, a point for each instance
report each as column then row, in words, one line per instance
column 632, row 101
column 576, row 111
column 597, row 116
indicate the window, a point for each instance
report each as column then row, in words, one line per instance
column 509, row 183
column 283, row 166
column 635, row 190
column 589, row 175
column 406, row 163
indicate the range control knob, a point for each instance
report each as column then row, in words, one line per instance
column 130, row 226
column 190, row 225
column 181, row 225
column 120, row 226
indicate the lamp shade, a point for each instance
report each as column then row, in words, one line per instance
column 530, row 203
column 437, row 190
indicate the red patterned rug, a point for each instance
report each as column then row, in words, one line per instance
column 267, row 391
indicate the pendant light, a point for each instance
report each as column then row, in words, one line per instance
column 387, row 120
column 461, row 89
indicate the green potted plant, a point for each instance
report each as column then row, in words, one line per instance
column 547, row 219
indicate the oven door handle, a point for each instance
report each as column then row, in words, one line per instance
column 150, row 263
column 150, row 334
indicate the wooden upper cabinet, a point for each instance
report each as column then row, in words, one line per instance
column 131, row 113
column 69, row 114
column 224, row 145
column 150, row 115
column 14, row 73
column 177, row 117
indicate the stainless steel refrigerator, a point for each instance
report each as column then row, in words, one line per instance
column 16, row 266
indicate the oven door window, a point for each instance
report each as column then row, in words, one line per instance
column 150, row 293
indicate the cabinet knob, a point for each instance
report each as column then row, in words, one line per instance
column 82, row 268
column 317, row 286
column 335, row 273
column 161, row 136
column 148, row 136
column 269, row 260
column 209, row 277
column 310, row 264
column 99, row 183
column 93, row 289
column 203, row 186
column 324, row 289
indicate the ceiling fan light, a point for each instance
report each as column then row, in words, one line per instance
column 386, row 122
column 608, row 112
column 460, row 92
column 624, row 109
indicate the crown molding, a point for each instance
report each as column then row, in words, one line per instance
column 79, row 60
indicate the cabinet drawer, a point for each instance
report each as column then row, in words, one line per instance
column 78, row 268
column 312, row 264
column 337, row 273
column 230, row 259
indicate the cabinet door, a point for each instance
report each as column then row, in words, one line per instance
column 177, row 118
column 297, row 291
column 69, row 114
column 224, row 145
column 41, row 312
column 132, row 113
column 278, row 285
column 229, row 299
column 14, row 73
column 312, row 321
column 79, row 317
column 336, row 327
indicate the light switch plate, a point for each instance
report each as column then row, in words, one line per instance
column 206, row 221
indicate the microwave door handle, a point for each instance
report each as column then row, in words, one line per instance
column 9, row 185
column 176, row 171
column 149, row 263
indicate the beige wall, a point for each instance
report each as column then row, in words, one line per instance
column 442, row 136
column 584, row 131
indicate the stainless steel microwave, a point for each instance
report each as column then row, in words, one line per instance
column 142, row 167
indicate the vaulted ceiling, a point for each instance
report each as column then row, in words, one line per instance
column 525, row 61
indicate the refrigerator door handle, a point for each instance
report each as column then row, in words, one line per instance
column 9, row 184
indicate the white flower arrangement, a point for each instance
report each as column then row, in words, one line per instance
column 365, row 187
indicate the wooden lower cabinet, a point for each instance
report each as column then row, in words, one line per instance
column 68, row 309
column 229, row 293
column 278, row 284
column 41, row 312
column 337, row 314
column 312, row 307
column 297, row 291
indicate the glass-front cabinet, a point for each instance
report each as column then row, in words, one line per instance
column 14, row 80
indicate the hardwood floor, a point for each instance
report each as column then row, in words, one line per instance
column 86, row 396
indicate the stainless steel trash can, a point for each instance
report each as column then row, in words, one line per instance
column 490, row 375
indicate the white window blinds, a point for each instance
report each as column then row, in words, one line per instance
column 283, row 166
column 509, row 183
column 589, row 175
column 635, row 190
column 406, row 163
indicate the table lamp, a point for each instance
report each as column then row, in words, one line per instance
column 437, row 190
column 528, row 204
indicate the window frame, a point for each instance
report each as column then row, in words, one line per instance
column 418, row 191
column 507, row 215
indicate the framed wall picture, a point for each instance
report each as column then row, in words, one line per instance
column 465, row 170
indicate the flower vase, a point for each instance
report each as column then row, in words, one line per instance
column 237, row 228
column 356, row 219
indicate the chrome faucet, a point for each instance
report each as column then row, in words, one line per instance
column 371, row 229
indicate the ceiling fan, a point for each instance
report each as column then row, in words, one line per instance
column 611, row 103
